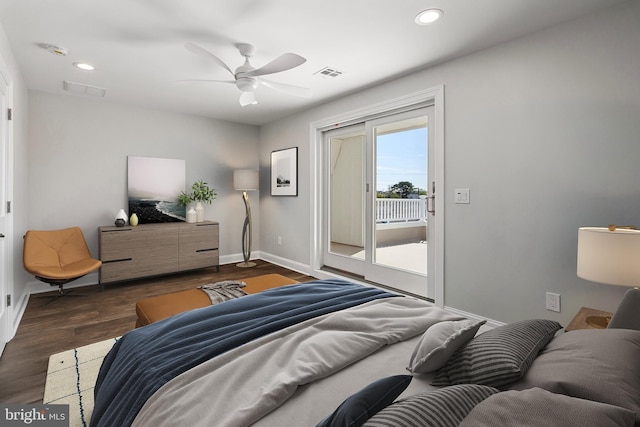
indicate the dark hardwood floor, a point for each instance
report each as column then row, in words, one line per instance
column 71, row 322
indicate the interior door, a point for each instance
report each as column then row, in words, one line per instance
column 373, row 228
column 4, row 312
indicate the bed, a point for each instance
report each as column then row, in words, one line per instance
column 335, row 353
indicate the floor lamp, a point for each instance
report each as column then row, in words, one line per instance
column 246, row 180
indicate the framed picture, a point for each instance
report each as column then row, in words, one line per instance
column 284, row 172
column 154, row 185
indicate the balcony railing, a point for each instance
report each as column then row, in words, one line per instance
column 390, row 211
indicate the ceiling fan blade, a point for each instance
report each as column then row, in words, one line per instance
column 207, row 81
column 302, row 92
column 281, row 63
column 247, row 98
column 192, row 47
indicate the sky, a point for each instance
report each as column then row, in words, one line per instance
column 402, row 156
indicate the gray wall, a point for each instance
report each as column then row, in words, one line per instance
column 78, row 150
column 544, row 130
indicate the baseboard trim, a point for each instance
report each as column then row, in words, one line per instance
column 491, row 323
column 286, row 263
column 18, row 311
column 236, row 258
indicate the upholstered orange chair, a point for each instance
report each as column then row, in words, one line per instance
column 58, row 256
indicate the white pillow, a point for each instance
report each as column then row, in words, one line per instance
column 439, row 342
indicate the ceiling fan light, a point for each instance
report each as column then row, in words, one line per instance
column 428, row 16
column 247, row 98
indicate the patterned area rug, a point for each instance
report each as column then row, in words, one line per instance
column 71, row 376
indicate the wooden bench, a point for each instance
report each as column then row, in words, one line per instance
column 162, row 306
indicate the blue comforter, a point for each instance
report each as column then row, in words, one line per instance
column 145, row 359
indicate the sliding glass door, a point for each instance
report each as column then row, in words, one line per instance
column 377, row 188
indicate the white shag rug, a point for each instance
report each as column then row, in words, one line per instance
column 71, row 376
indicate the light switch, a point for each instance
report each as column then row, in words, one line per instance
column 462, row 195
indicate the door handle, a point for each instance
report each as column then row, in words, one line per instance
column 431, row 205
column 1, row 236
column 432, row 199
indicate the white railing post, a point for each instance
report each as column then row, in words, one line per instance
column 401, row 210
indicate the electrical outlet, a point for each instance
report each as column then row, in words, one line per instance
column 279, row 240
column 553, row 302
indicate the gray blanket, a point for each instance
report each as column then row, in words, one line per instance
column 240, row 386
column 225, row 290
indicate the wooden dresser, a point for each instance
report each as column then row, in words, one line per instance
column 154, row 249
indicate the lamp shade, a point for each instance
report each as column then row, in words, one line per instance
column 245, row 179
column 611, row 257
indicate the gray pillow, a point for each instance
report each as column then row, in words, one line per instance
column 595, row 364
column 443, row 408
column 439, row 342
column 499, row 356
column 537, row 407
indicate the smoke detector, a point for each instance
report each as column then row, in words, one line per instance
column 56, row 50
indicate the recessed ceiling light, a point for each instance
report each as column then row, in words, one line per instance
column 84, row 66
column 428, row 16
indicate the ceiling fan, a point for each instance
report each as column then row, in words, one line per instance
column 247, row 78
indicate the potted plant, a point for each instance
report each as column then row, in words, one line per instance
column 201, row 193
column 185, row 200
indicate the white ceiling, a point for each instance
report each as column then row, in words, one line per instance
column 137, row 46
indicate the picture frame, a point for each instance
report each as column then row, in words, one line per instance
column 284, row 172
column 153, row 187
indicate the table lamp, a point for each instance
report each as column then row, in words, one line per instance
column 611, row 256
column 246, row 180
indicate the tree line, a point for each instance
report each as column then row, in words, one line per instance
column 401, row 190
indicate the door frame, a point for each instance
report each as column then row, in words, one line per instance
column 6, row 272
column 432, row 96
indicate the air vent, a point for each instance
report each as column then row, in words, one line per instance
column 83, row 89
column 328, row 72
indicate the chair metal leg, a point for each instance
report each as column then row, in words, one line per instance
column 61, row 293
